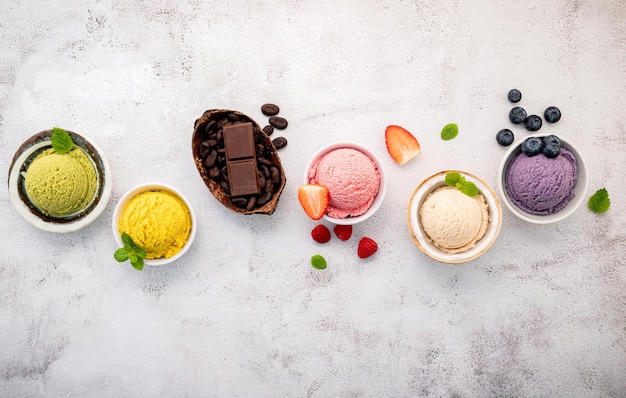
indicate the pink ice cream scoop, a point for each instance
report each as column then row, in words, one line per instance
column 540, row 185
column 352, row 179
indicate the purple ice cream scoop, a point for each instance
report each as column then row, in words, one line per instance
column 539, row 185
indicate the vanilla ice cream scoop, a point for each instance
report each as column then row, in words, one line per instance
column 352, row 179
column 452, row 220
column 61, row 184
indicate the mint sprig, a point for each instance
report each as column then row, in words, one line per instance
column 599, row 202
column 458, row 181
column 131, row 252
column 449, row 131
column 61, row 140
column 318, row 262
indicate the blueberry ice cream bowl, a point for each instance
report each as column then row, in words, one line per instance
column 543, row 178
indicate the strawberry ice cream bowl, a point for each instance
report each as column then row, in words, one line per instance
column 541, row 190
column 355, row 180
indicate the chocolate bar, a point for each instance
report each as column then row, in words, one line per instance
column 241, row 159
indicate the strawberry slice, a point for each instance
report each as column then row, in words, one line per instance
column 401, row 145
column 314, row 200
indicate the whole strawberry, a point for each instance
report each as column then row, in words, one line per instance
column 367, row 247
column 320, row 234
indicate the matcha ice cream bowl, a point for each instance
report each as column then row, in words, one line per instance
column 59, row 192
column 159, row 219
column 450, row 226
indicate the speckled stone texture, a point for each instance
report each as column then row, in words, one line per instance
column 243, row 314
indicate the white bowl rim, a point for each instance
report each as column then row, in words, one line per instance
column 580, row 187
column 382, row 189
column 154, row 186
column 36, row 221
column 419, row 238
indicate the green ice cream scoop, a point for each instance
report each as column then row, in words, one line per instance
column 61, row 184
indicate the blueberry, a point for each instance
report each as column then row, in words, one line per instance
column 533, row 123
column 532, row 146
column 515, row 95
column 517, row 115
column 505, row 137
column 552, row 114
column 551, row 151
column 551, row 146
column 552, row 139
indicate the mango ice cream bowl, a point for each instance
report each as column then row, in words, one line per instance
column 470, row 251
column 351, row 185
column 579, row 190
column 91, row 205
column 166, row 221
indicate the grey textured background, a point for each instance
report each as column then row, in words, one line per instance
column 542, row 314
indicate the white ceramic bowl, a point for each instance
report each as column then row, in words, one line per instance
column 378, row 200
column 21, row 160
column 579, row 189
column 154, row 187
column 420, row 194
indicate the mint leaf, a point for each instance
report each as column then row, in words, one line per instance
column 449, row 131
column 469, row 188
column 121, row 255
column 131, row 252
column 61, row 140
column 127, row 239
column 453, row 178
column 599, row 202
column 318, row 262
column 458, row 181
column 138, row 264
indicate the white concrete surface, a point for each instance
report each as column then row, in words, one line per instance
column 542, row 314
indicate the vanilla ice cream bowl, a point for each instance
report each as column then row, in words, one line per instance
column 159, row 218
column 470, row 250
column 79, row 214
column 574, row 203
column 377, row 165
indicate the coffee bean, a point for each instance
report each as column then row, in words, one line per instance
column 233, row 117
column 205, row 147
column 251, row 203
column 264, row 161
column 223, row 122
column 240, row 202
column 261, row 178
column 220, row 136
column 210, row 159
column 266, row 171
column 269, row 186
column 269, row 129
column 260, row 148
column 275, row 174
column 278, row 122
column 279, row 142
column 225, row 187
column 210, row 126
column 264, row 198
column 270, row 109
column 214, row 172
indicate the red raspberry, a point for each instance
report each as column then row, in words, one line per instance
column 367, row 247
column 320, row 234
column 343, row 232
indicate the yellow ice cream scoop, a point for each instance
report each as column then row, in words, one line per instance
column 157, row 221
column 61, row 184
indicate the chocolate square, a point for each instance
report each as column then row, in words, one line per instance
column 239, row 141
column 242, row 177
